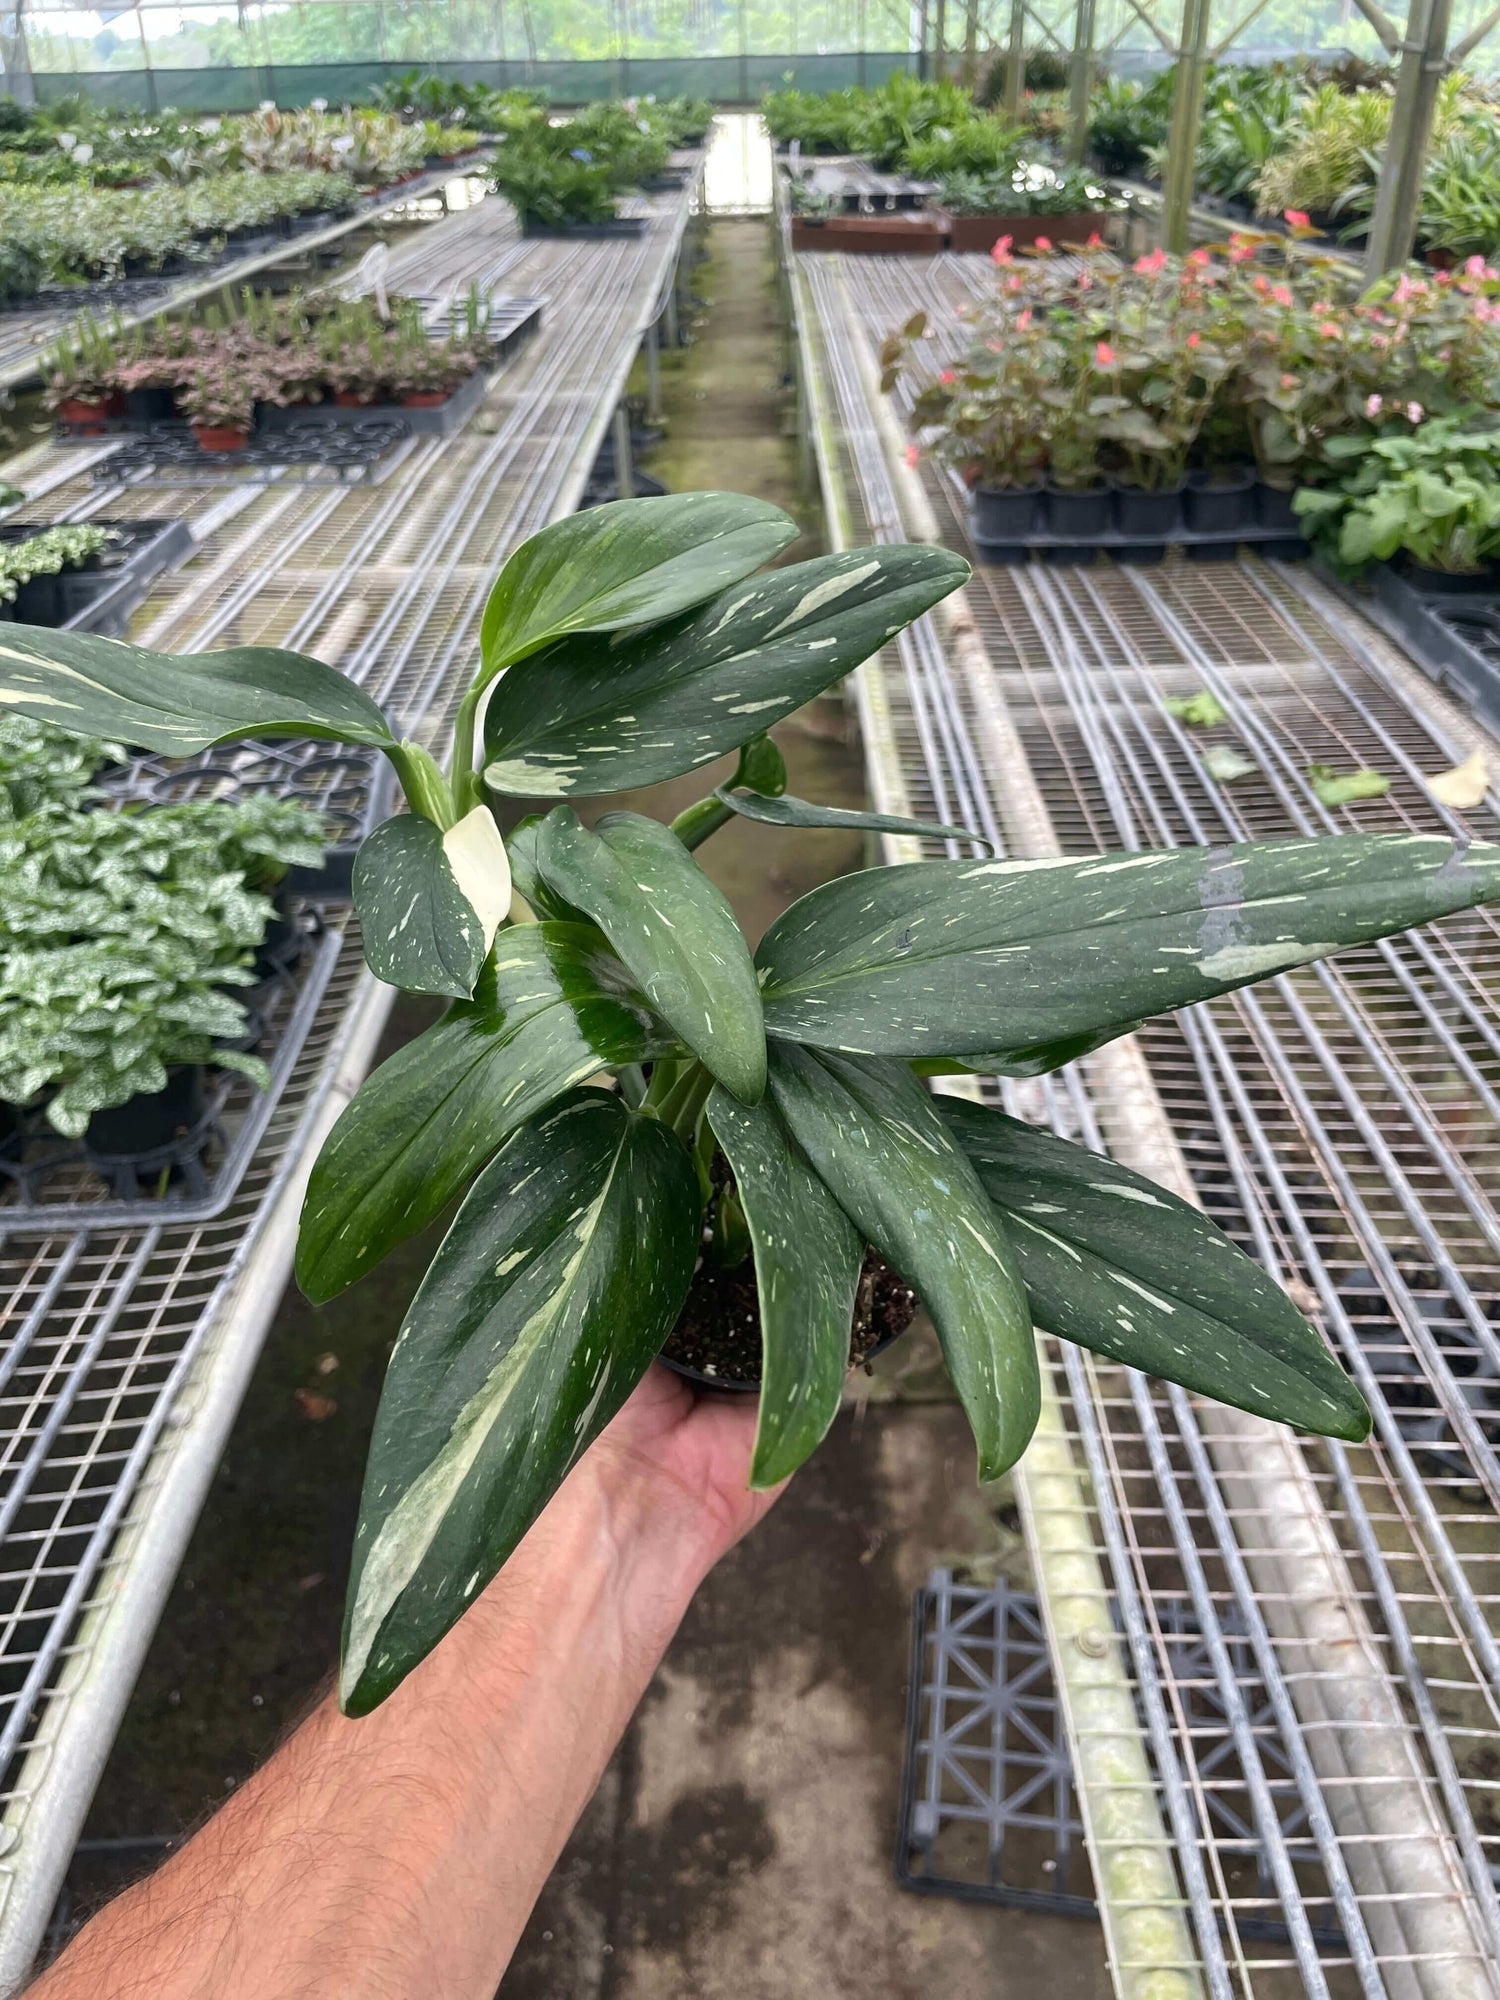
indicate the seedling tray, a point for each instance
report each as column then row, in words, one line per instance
column 1454, row 639
column 101, row 599
column 48, row 1182
column 362, row 451
column 1196, row 544
column 349, row 787
column 621, row 228
column 438, row 421
column 512, row 320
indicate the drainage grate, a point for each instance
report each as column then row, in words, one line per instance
column 987, row 1805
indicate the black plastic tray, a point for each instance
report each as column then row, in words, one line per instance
column 623, row 227
column 1197, row 545
column 101, row 599
column 1454, row 638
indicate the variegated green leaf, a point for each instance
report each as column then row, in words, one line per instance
column 786, row 811
column 599, row 714
column 874, row 1138
column 1127, row 1269
column 943, row 957
column 179, row 702
column 429, row 902
column 630, row 563
column 551, row 1008
column 673, row 929
column 807, row 1264
column 561, row 1277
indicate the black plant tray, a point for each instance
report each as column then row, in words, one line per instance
column 363, row 450
column 49, row 1182
column 512, row 320
column 621, row 228
column 438, row 421
column 102, row 598
column 1454, row 639
column 1197, row 545
column 349, row 787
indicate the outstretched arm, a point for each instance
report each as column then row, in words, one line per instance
column 399, row 1856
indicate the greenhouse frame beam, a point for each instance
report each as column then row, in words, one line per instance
column 1461, row 51
column 1182, row 135
column 1080, row 76
column 1381, row 22
column 1424, row 58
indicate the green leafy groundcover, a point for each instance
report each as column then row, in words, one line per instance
column 622, row 647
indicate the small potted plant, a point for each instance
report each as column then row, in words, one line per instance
column 218, row 398
column 32, row 564
column 1430, row 497
column 619, row 648
column 79, row 375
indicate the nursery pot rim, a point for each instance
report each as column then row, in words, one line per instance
column 741, row 1384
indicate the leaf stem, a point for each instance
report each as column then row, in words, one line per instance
column 468, row 785
column 696, row 822
column 427, row 790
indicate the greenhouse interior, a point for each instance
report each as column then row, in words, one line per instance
column 604, row 1378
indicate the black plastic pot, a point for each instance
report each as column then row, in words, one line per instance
column 1139, row 555
column 1440, row 582
column 730, row 1387
column 38, row 601
column 1217, row 502
column 1080, row 511
column 283, row 944
column 1006, row 513
column 150, row 406
column 150, row 1124
column 1274, row 509
column 1141, row 510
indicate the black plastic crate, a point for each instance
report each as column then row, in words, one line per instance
column 1454, row 637
column 102, row 597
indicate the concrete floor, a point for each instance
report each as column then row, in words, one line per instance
column 741, row 1842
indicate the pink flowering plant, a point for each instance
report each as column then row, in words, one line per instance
column 1260, row 350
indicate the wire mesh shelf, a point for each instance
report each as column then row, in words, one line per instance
column 1343, row 1125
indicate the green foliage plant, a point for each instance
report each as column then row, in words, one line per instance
column 1431, row 493
column 67, row 546
column 619, row 648
column 124, row 928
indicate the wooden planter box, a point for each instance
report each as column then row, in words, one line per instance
column 980, row 233
column 921, row 235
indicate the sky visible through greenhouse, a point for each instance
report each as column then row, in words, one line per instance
column 168, row 36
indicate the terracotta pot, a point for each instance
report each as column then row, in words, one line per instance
column 348, row 399
column 980, row 233
column 424, row 399
column 220, row 437
column 83, row 414
column 921, row 235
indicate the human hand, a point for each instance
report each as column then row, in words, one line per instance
column 693, row 1449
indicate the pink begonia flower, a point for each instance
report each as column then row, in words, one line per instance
column 1104, row 355
column 1282, row 294
column 1198, row 257
column 1297, row 217
column 1475, row 266
column 1001, row 251
column 1044, row 243
column 1153, row 261
column 1023, row 320
column 1288, row 381
column 1374, row 405
column 1414, row 413
column 913, row 456
column 1015, row 284
column 1241, row 250
column 947, row 376
column 1330, row 330
column 1095, row 242
column 1195, row 340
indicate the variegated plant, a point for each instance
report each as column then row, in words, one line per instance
column 630, row 645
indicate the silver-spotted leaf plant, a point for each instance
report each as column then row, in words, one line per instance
column 610, row 1032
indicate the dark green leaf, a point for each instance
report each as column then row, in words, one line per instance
column 522, row 845
column 179, row 702
column 784, row 811
column 1038, row 1060
column 629, row 563
column 558, row 1282
column 672, row 928
column 551, row 1008
column 941, row 957
column 599, row 714
column 807, row 1265
column 1125, row 1268
column 875, row 1140
column 421, row 930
